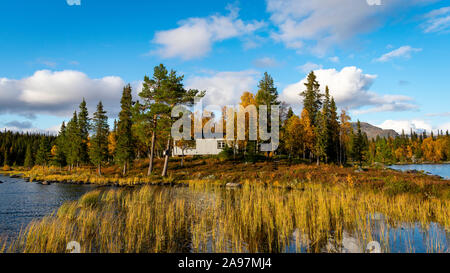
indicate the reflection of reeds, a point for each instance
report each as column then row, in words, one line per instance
column 311, row 217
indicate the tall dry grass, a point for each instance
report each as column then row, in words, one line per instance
column 312, row 217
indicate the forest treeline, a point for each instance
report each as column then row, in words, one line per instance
column 143, row 129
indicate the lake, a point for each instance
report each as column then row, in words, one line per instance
column 211, row 217
column 436, row 169
column 21, row 202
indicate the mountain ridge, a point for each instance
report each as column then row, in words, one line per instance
column 374, row 131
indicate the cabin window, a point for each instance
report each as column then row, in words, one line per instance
column 221, row 145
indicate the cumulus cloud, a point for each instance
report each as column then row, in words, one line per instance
column 402, row 52
column 437, row 20
column 58, row 93
column 224, row 88
column 406, row 125
column 73, row 2
column 195, row 36
column 265, row 62
column 320, row 24
column 350, row 88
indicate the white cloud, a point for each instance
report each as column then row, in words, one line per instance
column 406, row 125
column 402, row 52
column 265, row 62
column 334, row 59
column 443, row 114
column 308, row 67
column 52, row 130
column 73, row 2
column 445, row 127
column 350, row 88
column 320, row 24
column 58, row 93
column 437, row 20
column 195, row 36
column 224, row 88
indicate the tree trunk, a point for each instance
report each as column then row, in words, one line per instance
column 124, row 172
column 318, row 160
column 166, row 159
column 152, row 150
column 100, row 169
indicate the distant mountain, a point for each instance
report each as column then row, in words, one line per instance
column 373, row 131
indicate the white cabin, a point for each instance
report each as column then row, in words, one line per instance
column 209, row 146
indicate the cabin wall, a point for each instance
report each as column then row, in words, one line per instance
column 203, row 147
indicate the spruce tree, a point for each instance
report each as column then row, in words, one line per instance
column 321, row 136
column 28, row 163
column 359, row 145
column 73, row 149
column 43, row 153
column 84, row 127
column 124, row 151
column 99, row 143
column 312, row 98
column 267, row 95
column 333, row 132
column 267, row 92
column 61, row 147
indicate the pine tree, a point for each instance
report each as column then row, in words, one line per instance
column 125, row 151
column 28, row 163
column 99, row 143
column 43, row 153
column 170, row 93
column 84, row 125
column 312, row 98
column 151, row 90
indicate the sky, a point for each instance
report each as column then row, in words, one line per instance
column 385, row 61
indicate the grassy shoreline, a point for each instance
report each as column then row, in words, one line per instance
column 278, row 206
column 201, row 218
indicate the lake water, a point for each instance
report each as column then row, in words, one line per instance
column 21, row 202
column 437, row 169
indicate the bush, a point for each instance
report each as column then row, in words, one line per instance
column 394, row 187
column 6, row 168
column 226, row 154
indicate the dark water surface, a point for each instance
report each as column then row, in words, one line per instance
column 21, row 202
column 436, row 169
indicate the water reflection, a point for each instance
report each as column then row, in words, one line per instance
column 21, row 202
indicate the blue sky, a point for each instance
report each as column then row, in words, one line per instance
column 386, row 63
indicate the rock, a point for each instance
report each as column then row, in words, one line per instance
column 233, row 185
column 45, row 183
column 1, row 182
column 359, row 170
